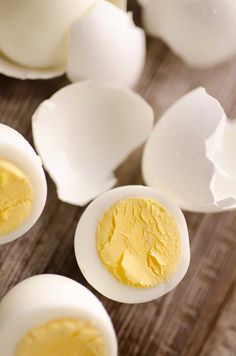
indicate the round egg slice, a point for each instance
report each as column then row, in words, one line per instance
column 50, row 315
column 23, row 188
column 132, row 244
column 97, row 127
column 201, row 32
column 189, row 155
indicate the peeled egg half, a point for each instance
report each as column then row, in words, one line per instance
column 84, row 132
column 201, row 32
column 145, row 251
column 106, row 47
column 23, row 185
column 189, row 156
column 54, row 315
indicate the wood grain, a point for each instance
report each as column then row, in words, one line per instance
column 198, row 317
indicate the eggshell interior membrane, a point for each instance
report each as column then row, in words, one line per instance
column 202, row 32
column 43, row 298
column 84, row 132
column 189, row 155
column 15, row 149
column 106, row 47
column 88, row 259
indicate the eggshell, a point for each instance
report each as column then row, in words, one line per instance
column 15, row 70
column 202, row 32
column 39, row 299
column 15, row 149
column 84, row 132
column 188, row 157
column 90, row 264
column 106, row 47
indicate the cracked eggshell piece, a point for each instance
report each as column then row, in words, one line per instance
column 34, row 36
column 84, row 132
column 106, row 47
column 93, row 269
column 15, row 149
column 189, row 155
column 50, row 297
column 202, row 32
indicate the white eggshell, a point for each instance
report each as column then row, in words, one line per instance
column 35, row 34
column 15, row 149
column 186, row 156
column 14, row 70
column 90, row 264
column 84, row 132
column 202, row 32
column 106, row 47
column 43, row 298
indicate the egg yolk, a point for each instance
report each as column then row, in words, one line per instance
column 16, row 196
column 138, row 241
column 65, row 337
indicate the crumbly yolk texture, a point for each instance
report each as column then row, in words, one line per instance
column 65, row 337
column 16, row 197
column 138, row 241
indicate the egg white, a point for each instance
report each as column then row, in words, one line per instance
column 43, row 298
column 15, row 149
column 88, row 259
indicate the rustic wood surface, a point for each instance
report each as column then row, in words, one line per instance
column 199, row 316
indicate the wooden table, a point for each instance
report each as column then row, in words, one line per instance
column 199, row 316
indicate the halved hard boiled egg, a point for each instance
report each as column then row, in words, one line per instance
column 201, row 32
column 190, row 155
column 132, row 244
column 50, row 315
column 84, row 132
column 23, row 188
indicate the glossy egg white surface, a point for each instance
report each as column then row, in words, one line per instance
column 88, row 259
column 43, row 298
column 15, row 149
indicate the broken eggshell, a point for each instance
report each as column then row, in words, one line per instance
column 84, row 132
column 190, row 155
column 202, row 32
column 25, row 51
column 106, row 47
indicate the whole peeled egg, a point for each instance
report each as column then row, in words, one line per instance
column 132, row 244
column 23, row 187
column 35, row 33
column 50, row 315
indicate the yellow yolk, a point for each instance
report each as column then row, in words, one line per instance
column 138, row 241
column 16, row 196
column 65, row 337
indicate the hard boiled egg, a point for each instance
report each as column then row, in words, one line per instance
column 23, row 186
column 190, row 155
column 84, row 132
column 54, row 315
column 106, row 47
column 201, row 32
column 132, row 244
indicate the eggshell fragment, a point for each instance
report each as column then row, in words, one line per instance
column 39, row 299
column 15, row 149
column 189, row 156
column 88, row 259
column 202, row 32
column 106, row 47
column 15, row 70
column 84, row 132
